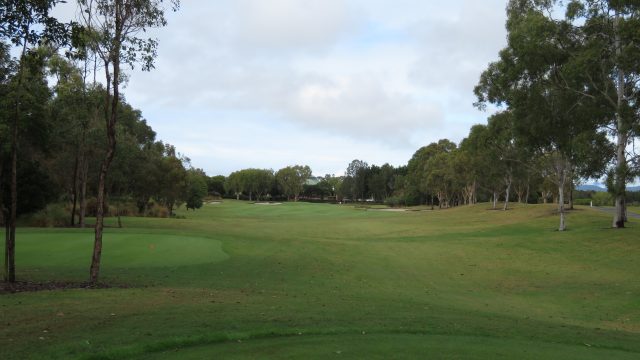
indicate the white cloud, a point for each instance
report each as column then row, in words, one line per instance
column 361, row 74
column 285, row 24
column 361, row 106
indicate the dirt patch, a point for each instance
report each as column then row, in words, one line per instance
column 267, row 203
column 28, row 286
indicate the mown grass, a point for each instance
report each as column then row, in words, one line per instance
column 316, row 281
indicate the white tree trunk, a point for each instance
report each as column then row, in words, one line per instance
column 561, row 207
column 561, row 166
column 506, row 197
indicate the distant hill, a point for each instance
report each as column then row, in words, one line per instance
column 599, row 188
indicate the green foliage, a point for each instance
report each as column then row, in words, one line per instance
column 215, row 185
column 35, row 189
column 54, row 215
column 291, row 180
column 602, row 199
column 157, row 210
column 196, row 189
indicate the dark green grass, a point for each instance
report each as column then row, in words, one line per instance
column 463, row 283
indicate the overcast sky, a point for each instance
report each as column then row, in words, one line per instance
column 271, row 83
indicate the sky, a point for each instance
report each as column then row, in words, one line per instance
column 266, row 84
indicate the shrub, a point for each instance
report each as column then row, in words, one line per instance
column 586, row 202
column 53, row 215
column 157, row 210
column 395, row 201
column 602, row 199
column 92, row 206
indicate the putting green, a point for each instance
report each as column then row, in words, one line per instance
column 66, row 253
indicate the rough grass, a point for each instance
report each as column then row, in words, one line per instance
column 316, row 281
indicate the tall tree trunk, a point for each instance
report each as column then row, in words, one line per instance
column 13, row 211
column 7, row 230
column 10, row 240
column 474, row 194
column 4, row 221
column 74, row 189
column 2, row 215
column 83, row 191
column 620, row 180
column 111, row 116
column 561, row 207
column 506, row 197
column 561, row 167
column 571, row 187
column 495, row 200
column 621, row 159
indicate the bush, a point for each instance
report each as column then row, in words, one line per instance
column 602, row 199
column 395, row 201
column 586, row 202
column 53, row 215
column 157, row 210
column 92, row 207
column 128, row 208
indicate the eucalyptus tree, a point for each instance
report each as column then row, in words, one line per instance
column 215, row 185
column 24, row 24
column 173, row 179
column 196, row 188
column 483, row 170
column 421, row 164
column 416, row 170
column 466, row 174
column 608, row 61
column 234, row 184
column 291, row 180
column 119, row 27
column 611, row 58
column 357, row 173
column 440, row 178
column 506, row 151
column 27, row 111
column 7, row 68
column 70, row 112
column 333, row 185
column 536, row 78
column 261, row 182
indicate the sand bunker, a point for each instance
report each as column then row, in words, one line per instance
column 267, row 203
column 390, row 210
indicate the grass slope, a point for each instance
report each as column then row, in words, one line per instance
column 314, row 281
